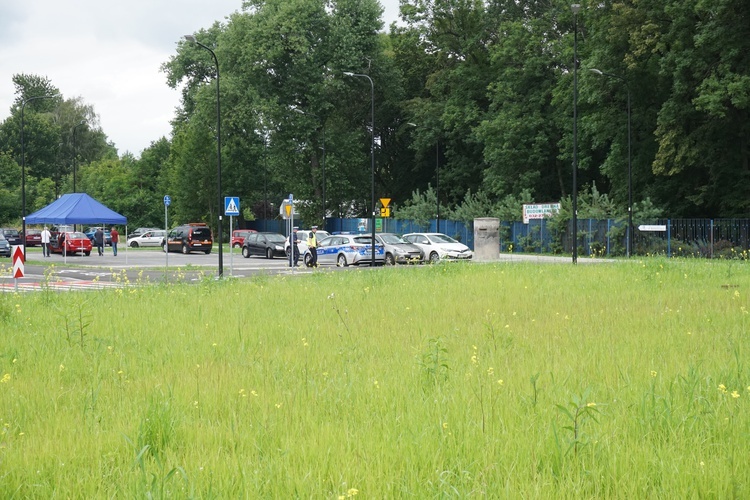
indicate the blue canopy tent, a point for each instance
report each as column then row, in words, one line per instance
column 76, row 208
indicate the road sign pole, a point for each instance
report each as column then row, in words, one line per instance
column 231, row 253
column 167, row 201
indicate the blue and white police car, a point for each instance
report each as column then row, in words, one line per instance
column 347, row 250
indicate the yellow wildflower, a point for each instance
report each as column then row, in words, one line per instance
column 735, row 394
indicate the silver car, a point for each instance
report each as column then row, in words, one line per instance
column 398, row 250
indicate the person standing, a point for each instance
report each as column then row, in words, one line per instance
column 46, row 235
column 294, row 245
column 115, row 240
column 99, row 241
column 312, row 244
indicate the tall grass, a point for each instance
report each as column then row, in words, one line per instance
column 624, row 380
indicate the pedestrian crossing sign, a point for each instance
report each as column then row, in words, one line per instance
column 231, row 205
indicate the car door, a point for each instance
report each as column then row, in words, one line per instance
column 327, row 250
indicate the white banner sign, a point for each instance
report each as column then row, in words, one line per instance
column 539, row 210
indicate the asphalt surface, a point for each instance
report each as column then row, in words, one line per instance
column 146, row 265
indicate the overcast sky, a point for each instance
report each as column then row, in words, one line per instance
column 109, row 53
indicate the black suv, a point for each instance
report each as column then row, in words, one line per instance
column 189, row 237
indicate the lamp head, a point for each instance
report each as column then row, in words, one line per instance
column 190, row 38
column 575, row 7
column 348, row 73
column 597, row 71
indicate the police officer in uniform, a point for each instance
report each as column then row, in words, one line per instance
column 312, row 244
column 294, row 246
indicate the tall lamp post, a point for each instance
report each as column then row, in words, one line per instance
column 575, row 8
column 437, row 178
column 75, row 153
column 323, row 132
column 628, row 238
column 191, row 38
column 372, row 155
column 23, row 166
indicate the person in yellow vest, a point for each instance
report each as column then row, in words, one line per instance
column 312, row 244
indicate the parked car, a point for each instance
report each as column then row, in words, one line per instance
column 107, row 236
column 269, row 245
column 239, row 235
column 438, row 246
column 347, row 249
column 139, row 231
column 12, row 235
column 302, row 236
column 4, row 246
column 398, row 250
column 187, row 238
column 74, row 242
column 33, row 237
column 148, row 239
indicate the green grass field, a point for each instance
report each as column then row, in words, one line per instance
column 619, row 380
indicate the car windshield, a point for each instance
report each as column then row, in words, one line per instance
column 275, row 238
column 363, row 240
column 442, row 238
column 391, row 239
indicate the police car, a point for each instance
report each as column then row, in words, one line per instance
column 347, row 250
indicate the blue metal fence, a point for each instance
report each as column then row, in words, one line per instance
column 605, row 238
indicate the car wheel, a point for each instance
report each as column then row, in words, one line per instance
column 236, row 245
column 87, row 253
column 308, row 260
column 134, row 244
column 341, row 261
column 208, row 251
column 165, row 248
column 246, row 252
column 185, row 249
column 286, row 252
column 434, row 257
column 269, row 253
column 389, row 260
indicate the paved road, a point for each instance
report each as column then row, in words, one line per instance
column 152, row 265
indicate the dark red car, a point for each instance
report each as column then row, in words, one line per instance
column 33, row 237
column 239, row 235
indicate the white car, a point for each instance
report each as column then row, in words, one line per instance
column 147, row 239
column 302, row 237
column 437, row 246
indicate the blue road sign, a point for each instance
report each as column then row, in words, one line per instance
column 231, row 205
column 167, row 200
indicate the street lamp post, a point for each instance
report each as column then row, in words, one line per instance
column 75, row 153
column 191, row 38
column 628, row 237
column 323, row 180
column 575, row 8
column 372, row 155
column 437, row 183
column 437, row 178
column 23, row 166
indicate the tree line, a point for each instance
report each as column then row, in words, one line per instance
column 473, row 113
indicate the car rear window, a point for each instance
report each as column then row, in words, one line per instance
column 11, row 232
column 201, row 233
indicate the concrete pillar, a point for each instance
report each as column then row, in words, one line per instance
column 486, row 239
